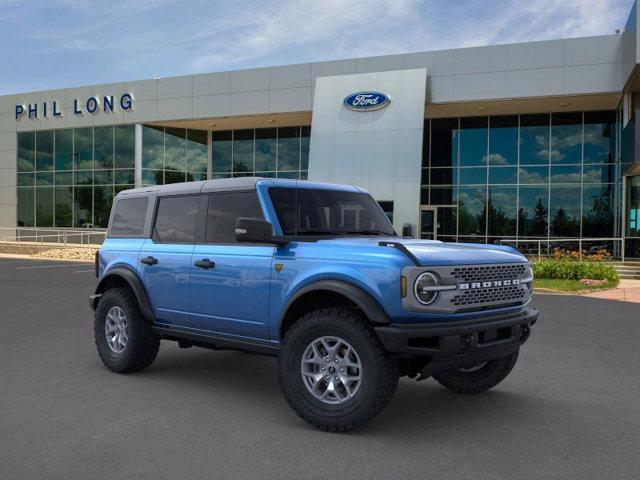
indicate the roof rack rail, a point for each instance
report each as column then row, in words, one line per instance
column 402, row 248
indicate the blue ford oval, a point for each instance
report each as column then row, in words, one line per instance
column 366, row 101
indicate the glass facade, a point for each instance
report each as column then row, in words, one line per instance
column 172, row 155
column 281, row 152
column 486, row 179
column 542, row 176
column 68, row 177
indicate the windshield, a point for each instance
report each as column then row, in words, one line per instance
column 318, row 212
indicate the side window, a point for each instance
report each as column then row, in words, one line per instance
column 224, row 209
column 128, row 217
column 176, row 219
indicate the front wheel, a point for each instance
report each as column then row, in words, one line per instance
column 477, row 378
column 333, row 370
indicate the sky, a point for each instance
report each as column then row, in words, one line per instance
column 48, row 44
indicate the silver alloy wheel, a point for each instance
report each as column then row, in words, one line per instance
column 116, row 329
column 473, row 368
column 331, row 370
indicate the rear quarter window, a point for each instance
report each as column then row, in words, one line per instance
column 129, row 216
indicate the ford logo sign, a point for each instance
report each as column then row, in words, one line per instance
column 366, row 101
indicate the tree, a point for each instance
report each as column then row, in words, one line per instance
column 564, row 226
column 540, row 219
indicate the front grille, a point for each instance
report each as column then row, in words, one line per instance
column 511, row 293
column 488, row 272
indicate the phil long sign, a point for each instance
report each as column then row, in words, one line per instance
column 91, row 105
column 366, row 101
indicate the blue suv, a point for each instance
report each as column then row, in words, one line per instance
column 314, row 274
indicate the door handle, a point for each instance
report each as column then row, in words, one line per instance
column 205, row 263
column 149, row 260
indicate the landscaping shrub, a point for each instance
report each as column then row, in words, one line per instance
column 575, row 270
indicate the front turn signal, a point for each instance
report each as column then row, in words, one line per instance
column 403, row 286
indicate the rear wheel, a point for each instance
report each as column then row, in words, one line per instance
column 123, row 337
column 333, row 370
column 477, row 378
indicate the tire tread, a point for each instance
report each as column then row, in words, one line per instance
column 144, row 343
column 387, row 375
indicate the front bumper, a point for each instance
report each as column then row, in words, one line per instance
column 459, row 344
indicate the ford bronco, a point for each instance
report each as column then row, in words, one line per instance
column 314, row 274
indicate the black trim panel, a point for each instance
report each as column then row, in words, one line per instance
column 136, row 285
column 362, row 299
column 218, row 340
column 455, row 342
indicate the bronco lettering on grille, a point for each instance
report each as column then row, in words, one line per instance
column 494, row 283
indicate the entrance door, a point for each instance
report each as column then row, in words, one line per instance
column 428, row 222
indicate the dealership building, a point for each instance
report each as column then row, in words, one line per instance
column 531, row 144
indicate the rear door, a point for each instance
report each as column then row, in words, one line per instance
column 165, row 258
column 230, row 282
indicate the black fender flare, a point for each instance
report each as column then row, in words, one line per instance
column 134, row 283
column 370, row 307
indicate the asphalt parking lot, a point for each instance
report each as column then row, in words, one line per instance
column 570, row 408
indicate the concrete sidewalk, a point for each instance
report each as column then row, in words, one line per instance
column 627, row 291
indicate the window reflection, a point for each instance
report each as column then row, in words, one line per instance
column 501, row 211
column 471, row 211
column 598, row 137
column 473, row 141
column 444, row 146
column 74, row 179
column 533, row 211
column 243, row 151
column 222, row 148
column 566, row 138
column 503, row 140
column 533, row 175
column 564, row 215
column 44, row 150
column 266, row 147
column 566, row 174
column 534, row 139
column 597, row 211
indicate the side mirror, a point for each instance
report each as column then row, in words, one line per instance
column 407, row 230
column 254, row 230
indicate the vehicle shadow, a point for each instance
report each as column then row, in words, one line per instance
column 417, row 407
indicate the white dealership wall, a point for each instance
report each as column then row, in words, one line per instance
column 378, row 150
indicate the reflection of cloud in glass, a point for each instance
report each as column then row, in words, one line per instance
column 473, row 201
column 566, row 139
column 566, row 198
column 556, row 156
column 593, row 175
column 528, row 176
column 565, row 177
column 505, row 202
column 495, row 159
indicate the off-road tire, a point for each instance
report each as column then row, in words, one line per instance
column 142, row 344
column 379, row 372
column 487, row 377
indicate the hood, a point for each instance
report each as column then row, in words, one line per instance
column 435, row 252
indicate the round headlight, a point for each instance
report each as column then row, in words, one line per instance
column 423, row 288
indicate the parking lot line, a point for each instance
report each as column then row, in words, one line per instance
column 52, row 266
column 83, row 271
